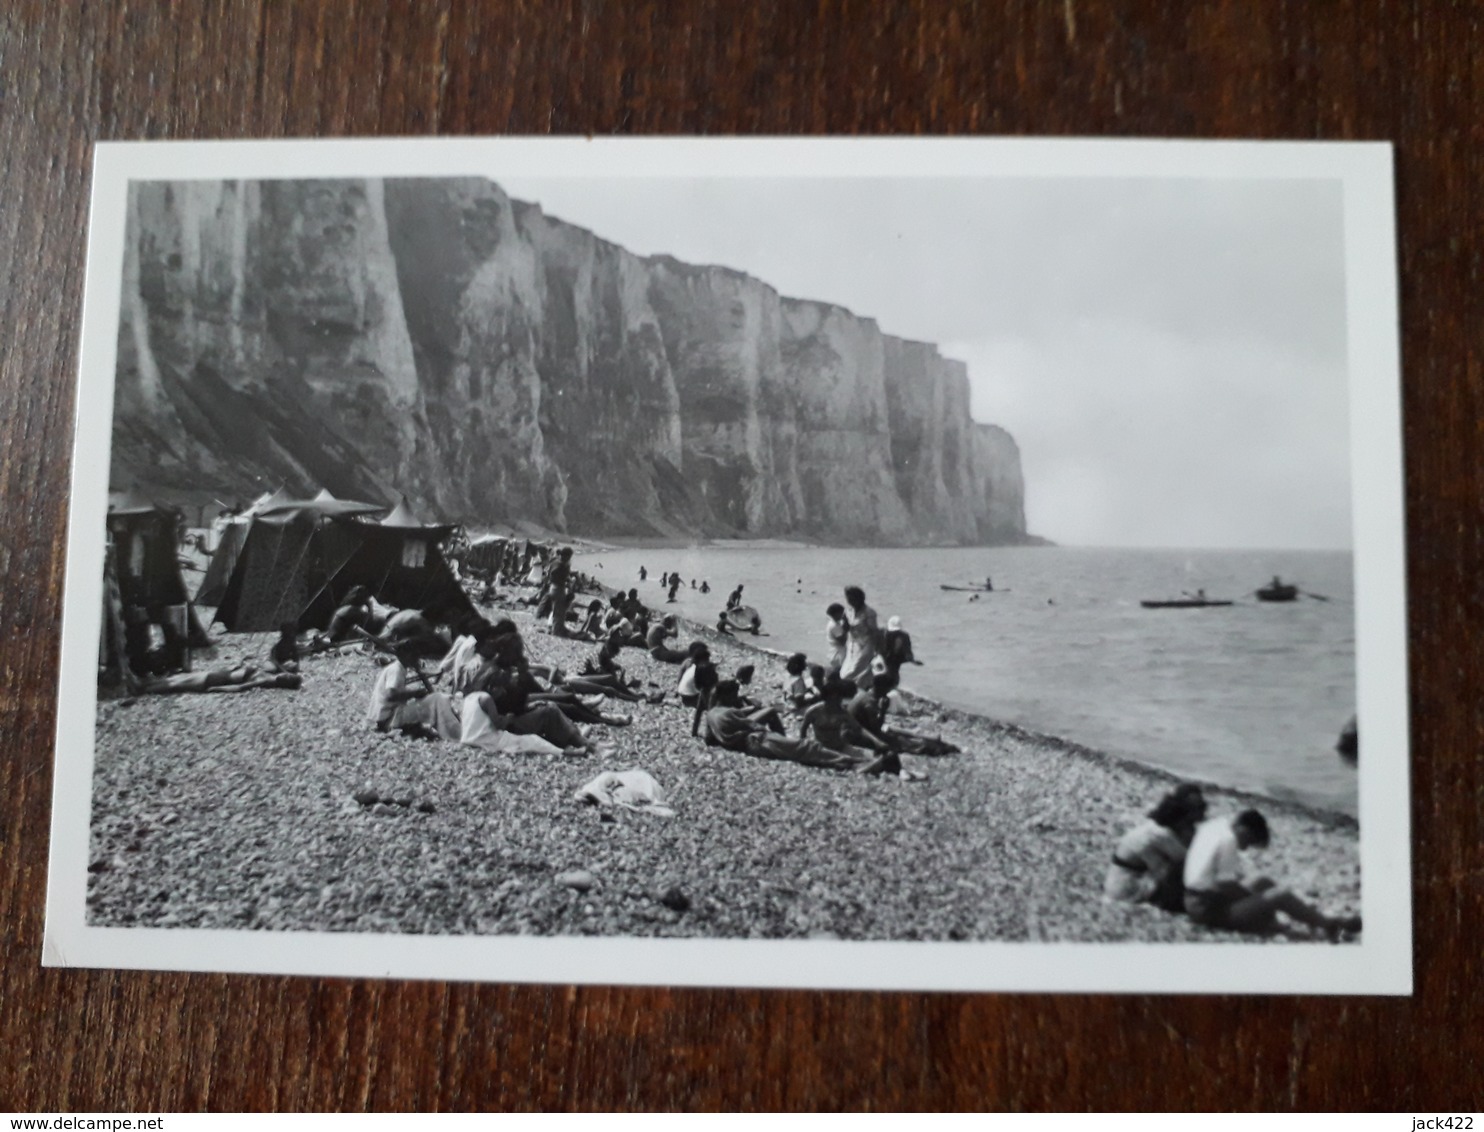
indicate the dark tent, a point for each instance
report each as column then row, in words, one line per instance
column 486, row 553
column 223, row 562
column 143, row 587
column 278, row 506
column 297, row 564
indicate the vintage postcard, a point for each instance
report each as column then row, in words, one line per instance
column 888, row 563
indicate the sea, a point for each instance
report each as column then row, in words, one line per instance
column 1252, row 695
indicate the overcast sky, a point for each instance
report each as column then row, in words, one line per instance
column 1169, row 354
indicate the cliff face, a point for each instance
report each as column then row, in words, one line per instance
column 436, row 338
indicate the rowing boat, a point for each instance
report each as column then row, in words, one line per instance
column 745, row 617
column 1184, row 603
column 972, row 590
column 1281, row 592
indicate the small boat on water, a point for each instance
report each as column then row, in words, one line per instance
column 1278, row 591
column 972, row 589
column 745, row 617
column 1185, row 603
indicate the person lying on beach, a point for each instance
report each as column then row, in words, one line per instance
column 1149, row 861
column 729, row 721
column 869, row 708
column 659, row 634
column 243, row 678
column 839, row 743
column 896, row 646
column 1217, row 896
column 284, row 655
column 417, row 711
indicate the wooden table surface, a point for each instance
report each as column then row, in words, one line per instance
column 72, row 74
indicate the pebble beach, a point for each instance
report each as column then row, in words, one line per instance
column 286, row 810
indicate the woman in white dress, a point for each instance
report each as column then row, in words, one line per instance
column 861, row 648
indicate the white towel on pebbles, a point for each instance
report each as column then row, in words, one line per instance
column 632, row 789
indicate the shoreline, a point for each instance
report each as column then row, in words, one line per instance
column 971, row 718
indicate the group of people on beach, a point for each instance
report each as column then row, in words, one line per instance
column 496, row 698
column 1181, row 860
column 842, row 713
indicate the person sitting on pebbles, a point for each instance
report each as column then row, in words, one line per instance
column 284, row 655
column 604, row 673
column 353, row 613
column 659, row 635
column 869, row 708
column 592, row 623
column 525, row 708
column 419, row 711
column 839, row 742
column 798, row 688
column 698, row 678
column 1149, row 861
column 1217, row 896
column 502, row 664
column 729, row 721
column 417, row 628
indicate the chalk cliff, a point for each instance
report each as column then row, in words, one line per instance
column 438, row 339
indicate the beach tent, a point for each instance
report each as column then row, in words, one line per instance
column 142, row 582
column 228, row 530
column 486, row 553
column 230, row 539
column 279, row 504
column 297, row 564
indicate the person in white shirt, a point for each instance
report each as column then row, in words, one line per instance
column 395, row 706
column 1217, row 896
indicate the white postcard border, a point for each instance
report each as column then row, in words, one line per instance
column 1381, row 963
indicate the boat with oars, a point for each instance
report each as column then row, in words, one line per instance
column 1197, row 600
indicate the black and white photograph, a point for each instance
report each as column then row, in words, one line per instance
column 916, row 564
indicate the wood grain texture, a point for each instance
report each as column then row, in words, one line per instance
column 73, row 73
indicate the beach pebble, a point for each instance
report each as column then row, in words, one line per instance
column 366, row 797
column 675, row 899
column 580, row 879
